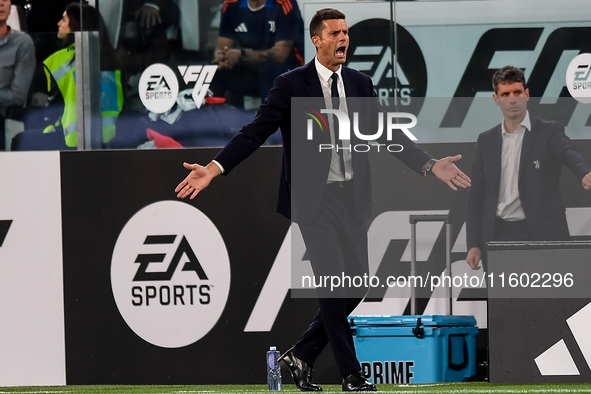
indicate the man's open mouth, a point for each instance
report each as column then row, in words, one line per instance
column 341, row 51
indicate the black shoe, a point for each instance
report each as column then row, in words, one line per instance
column 356, row 382
column 300, row 371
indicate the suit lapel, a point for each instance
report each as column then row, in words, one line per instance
column 313, row 91
column 496, row 152
column 350, row 88
column 527, row 146
column 313, row 88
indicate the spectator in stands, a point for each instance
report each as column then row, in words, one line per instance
column 258, row 40
column 17, row 65
column 60, row 70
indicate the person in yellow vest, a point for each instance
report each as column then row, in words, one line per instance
column 60, row 69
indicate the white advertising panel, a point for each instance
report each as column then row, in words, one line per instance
column 31, row 283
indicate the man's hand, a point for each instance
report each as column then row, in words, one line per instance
column 197, row 180
column 148, row 16
column 232, row 58
column 226, row 58
column 446, row 171
column 474, row 255
column 587, row 181
column 220, row 57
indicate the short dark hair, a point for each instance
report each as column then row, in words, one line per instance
column 508, row 74
column 90, row 17
column 90, row 20
column 317, row 22
column 83, row 17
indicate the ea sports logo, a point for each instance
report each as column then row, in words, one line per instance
column 578, row 78
column 158, row 88
column 370, row 52
column 170, row 274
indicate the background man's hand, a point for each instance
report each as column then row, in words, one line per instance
column 227, row 58
column 148, row 16
column 221, row 58
column 587, row 181
column 473, row 258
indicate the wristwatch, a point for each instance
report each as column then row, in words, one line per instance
column 429, row 166
column 243, row 56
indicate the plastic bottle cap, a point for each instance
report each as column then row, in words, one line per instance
column 272, row 348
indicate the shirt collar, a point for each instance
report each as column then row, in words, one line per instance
column 324, row 72
column 268, row 4
column 526, row 123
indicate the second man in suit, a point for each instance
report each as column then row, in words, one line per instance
column 515, row 172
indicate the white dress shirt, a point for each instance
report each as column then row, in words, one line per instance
column 509, row 206
column 324, row 75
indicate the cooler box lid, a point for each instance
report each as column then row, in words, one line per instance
column 411, row 321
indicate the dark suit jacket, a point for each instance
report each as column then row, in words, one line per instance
column 545, row 148
column 305, row 169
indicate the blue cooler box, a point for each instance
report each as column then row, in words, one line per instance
column 415, row 349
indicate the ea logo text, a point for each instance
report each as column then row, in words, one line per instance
column 578, row 78
column 158, row 88
column 164, row 294
column 170, row 274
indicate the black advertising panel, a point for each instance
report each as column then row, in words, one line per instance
column 165, row 291
column 101, row 341
column 538, row 328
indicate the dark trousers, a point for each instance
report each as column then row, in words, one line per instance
column 336, row 242
column 512, row 231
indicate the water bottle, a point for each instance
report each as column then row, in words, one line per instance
column 273, row 370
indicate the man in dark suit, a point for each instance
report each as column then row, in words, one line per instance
column 515, row 172
column 326, row 193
